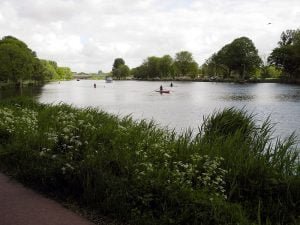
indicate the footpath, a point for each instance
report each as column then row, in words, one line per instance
column 22, row 206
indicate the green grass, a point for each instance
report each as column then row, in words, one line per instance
column 232, row 172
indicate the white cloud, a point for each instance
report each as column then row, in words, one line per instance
column 87, row 35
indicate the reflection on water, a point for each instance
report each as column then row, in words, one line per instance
column 187, row 103
column 15, row 92
column 238, row 97
column 293, row 97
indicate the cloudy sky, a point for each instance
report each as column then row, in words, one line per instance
column 87, row 35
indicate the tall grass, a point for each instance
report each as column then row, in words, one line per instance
column 263, row 173
column 232, row 172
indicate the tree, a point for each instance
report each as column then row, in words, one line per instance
column 64, row 73
column 124, row 71
column 49, row 70
column 118, row 62
column 287, row 55
column 185, row 63
column 166, row 68
column 19, row 63
column 16, row 60
column 120, row 70
column 239, row 56
column 153, row 64
column 140, row 72
column 213, row 67
column 289, row 37
column 38, row 72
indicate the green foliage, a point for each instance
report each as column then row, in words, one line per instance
column 214, row 68
column 64, row 73
column 151, row 68
column 120, row 70
column 19, row 63
column 49, row 69
column 185, row 64
column 165, row 67
column 16, row 60
column 230, row 173
column 240, row 56
column 269, row 71
column 287, row 55
column 118, row 62
column 260, row 169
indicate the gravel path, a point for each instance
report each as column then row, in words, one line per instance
column 22, row 206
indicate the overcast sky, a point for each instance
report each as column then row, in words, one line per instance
column 87, row 35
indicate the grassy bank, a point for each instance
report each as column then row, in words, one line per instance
column 230, row 173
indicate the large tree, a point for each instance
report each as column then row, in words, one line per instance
column 185, row 64
column 16, row 60
column 287, row 55
column 118, row 62
column 120, row 69
column 240, row 56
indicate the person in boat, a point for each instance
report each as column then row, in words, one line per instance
column 171, row 85
column 161, row 88
column 94, row 85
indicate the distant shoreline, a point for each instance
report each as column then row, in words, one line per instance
column 220, row 80
column 4, row 85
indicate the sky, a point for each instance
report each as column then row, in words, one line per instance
column 87, row 35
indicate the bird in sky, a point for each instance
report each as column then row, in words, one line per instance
column 269, row 23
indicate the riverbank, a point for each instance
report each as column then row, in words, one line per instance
column 213, row 79
column 230, row 173
column 187, row 79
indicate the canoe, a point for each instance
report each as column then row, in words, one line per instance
column 164, row 91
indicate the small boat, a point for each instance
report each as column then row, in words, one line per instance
column 108, row 79
column 163, row 91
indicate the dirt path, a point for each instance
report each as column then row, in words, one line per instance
column 22, row 206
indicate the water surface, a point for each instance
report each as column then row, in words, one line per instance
column 187, row 103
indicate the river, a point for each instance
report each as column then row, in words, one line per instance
column 187, row 103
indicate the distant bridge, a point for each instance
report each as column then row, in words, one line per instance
column 82, row 76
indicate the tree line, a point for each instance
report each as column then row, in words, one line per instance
column 18, row 63
column 159, row 67
column 236, row 60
